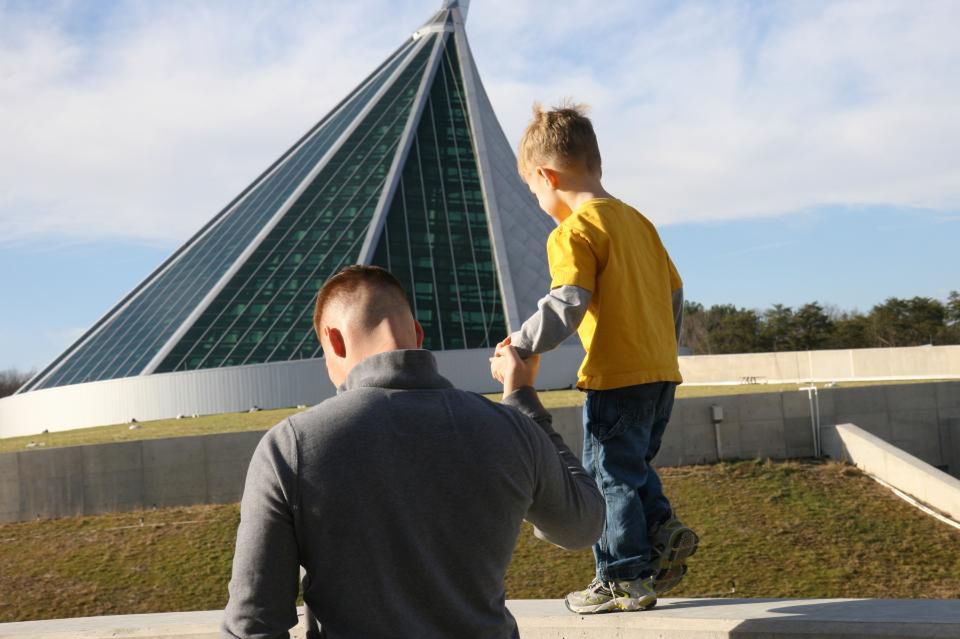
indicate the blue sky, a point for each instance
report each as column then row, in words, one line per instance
column 789, row 151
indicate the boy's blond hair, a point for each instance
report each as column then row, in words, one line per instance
column 563, row 135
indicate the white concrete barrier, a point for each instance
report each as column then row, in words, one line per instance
column 911, row 362
column 895, row 467
column 548, row 619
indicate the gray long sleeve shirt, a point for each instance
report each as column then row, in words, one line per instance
column 402, row 497
column 559, row 314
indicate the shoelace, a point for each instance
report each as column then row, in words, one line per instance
column 596, row 585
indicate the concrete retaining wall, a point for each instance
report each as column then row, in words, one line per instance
column 895, row 467
column 922, row 419
column 548, row 619
column 922, row 362
column 86, row 480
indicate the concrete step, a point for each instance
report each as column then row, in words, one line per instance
column 549, row 619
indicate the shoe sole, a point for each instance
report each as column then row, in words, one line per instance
column 669, row 579
column 682, row 545
column 618, row 604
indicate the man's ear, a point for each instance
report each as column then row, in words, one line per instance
column 419, row 330
column 335, row 338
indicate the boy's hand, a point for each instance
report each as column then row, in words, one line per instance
column 511, row 371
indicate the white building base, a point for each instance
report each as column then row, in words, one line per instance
column 225, row 390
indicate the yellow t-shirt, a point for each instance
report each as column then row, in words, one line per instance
column 610, row 249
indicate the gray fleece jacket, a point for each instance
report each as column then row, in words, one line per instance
column 402, row 498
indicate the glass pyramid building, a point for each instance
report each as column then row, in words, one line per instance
column 411, row 171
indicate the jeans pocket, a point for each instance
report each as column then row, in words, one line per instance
column 610, row 416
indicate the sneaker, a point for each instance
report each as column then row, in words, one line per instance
column 672, row 544
column 610, row 596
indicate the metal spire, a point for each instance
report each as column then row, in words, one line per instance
column 463, row 5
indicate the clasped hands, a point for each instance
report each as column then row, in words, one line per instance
column 508, row 368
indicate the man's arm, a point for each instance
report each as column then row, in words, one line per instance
column 568, row 509
column 558, row 316
column 264, row 585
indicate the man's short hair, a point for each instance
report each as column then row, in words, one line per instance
column 563, row 134
column 376, row 289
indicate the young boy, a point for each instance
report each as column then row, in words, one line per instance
column 613, row 282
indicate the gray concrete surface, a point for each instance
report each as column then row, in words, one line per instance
column 894, row 466
column 548, row 619
column 125, row 476
column 174, row 472
column 928, row 362
column 921, row 419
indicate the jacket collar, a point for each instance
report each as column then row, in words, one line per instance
column 400, row 369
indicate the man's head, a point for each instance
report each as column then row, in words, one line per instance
column 557, row 147
column 362, row 311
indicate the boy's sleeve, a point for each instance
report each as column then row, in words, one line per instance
column 675, row 281
column 558, row 316
column 676, row 287
column 572, row 259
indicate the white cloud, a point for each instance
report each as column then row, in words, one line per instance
column 149, row 124
column 723, row 110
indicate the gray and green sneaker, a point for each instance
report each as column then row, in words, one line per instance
column 672, row 544
column 611, row 596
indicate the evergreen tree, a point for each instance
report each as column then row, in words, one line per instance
column 777, row 330
column 813, row 329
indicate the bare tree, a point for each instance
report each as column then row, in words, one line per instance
column 11, row 380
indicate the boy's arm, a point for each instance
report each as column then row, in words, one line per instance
column 678, row 312
column 676, row 286
column 558, row 315
column 573, row 272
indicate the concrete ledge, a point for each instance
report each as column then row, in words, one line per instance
column 548, row 619
column 895, row 467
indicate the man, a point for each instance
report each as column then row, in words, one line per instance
column 402, row 497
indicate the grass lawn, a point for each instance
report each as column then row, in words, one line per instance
column 768, row 529
column 262, row 420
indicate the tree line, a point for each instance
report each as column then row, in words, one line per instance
column 11, row 380
column 724, row 328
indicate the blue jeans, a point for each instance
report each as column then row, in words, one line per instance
column 622, row 430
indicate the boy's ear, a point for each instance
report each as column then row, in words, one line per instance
column 549, row 175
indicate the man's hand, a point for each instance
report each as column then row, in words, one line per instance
column 511, row 371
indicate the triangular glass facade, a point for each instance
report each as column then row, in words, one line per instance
column 265, row 313
column 435, row 239
column 405, row 173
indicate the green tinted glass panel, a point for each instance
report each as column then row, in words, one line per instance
column 435, row 238
column 264, row 314
column 135, row 334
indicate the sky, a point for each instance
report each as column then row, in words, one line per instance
column 788, row 151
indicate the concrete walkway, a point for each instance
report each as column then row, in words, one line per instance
column 548, row 619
